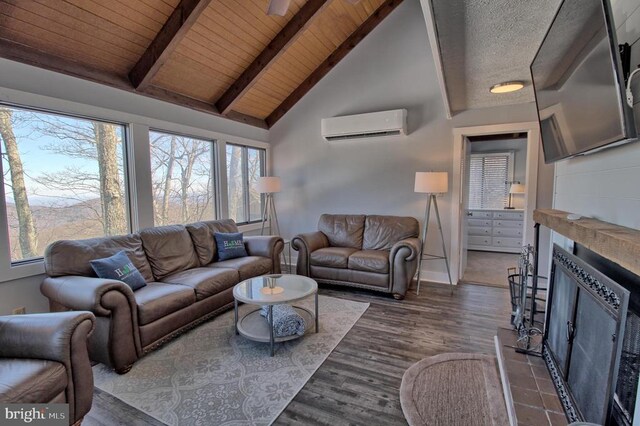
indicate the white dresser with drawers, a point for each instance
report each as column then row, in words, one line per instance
column 495, row 230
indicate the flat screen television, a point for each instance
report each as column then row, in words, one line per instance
column 578, row 82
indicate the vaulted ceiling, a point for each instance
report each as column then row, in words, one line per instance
column 225, row 57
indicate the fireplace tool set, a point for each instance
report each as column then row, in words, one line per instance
column 524, row 289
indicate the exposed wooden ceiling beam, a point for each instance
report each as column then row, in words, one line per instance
column 178, row 24
column 290, row 33
column 332, row 60
column 28, row 55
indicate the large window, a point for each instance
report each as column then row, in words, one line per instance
column 244, row 166
column 182, row 173
column 63, row 178
column 489, row 179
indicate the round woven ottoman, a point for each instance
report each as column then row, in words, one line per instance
column 453, row 389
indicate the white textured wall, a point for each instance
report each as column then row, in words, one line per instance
column 392, row 68
column 605, row 185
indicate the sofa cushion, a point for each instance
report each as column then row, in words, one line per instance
column 247, row 267
column 333, row 257
column 382, row 232
column 72, row 257
column 229, row 245
column 119, row 267
column 202, row 237
column 169, row 250
column 30, row 380
column 205, row 281
column 342, row 230
column 158, row 300
column 370, row 261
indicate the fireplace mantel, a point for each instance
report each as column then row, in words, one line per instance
column 616, row 243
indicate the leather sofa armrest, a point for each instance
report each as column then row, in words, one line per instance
column 305, row 244
column 43, row 336
column 58, row 336
column 85, row 293
column 410, row 244
column 116, row 341
column 403, row 258
column 270, row 246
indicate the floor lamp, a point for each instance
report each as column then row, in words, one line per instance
column 269, row 185
column 432, row 183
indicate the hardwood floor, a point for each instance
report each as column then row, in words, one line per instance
column 360, row 381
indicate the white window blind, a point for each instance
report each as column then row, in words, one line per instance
column 489, row 179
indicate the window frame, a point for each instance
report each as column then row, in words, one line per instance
column 214, row 164
column 4, row 222
column 137, row 159
column 510, row 154
column 246, row 199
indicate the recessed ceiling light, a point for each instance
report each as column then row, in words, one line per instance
column 507, row 86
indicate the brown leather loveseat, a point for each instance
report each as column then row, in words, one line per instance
column 373, row 252
column 44, row 359
column 186, row 284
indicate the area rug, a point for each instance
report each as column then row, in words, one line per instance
column 210, row 376
column 453, row 389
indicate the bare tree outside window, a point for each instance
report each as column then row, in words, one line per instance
column 64, row 179
column 182, row 177
column 244, row 166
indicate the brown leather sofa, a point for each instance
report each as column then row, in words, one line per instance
column 186, row 284
column 44, row 359
column 374, row 252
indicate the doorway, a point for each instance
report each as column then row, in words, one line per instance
column 494, row 167
column 494, row 181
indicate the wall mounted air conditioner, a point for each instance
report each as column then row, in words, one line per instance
column 364, row 126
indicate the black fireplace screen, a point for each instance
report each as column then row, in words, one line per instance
column 583, row 342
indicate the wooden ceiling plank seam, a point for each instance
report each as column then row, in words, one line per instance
column 305, row 44
column 215, row 54
column 33, row 38
column 274, row 23
column 267, row 104
column 185, row 64
column 324, row 38
column 152, row 13
column 106, row 25
column 98, row 10
column 247, row 28
column 347, row 46
column 134, row 15
column 224, row 33
column 240, row 56
column 267, row 98
column 293, row 65
column 28, row 55
column 279, row 83
column 255, row 107
column 70, row 20
column 309, row 37
column 21, row 15
column 265, row 25
column 162, row 6
column 305, row 55
column 288, row 35
column 183, row 70
column 220, row 21
column 178, row 24
column 268, row 91
column 220, row 64
column 345, row 18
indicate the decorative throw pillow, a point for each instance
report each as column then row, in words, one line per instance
column 119, row 267
column 230, row 245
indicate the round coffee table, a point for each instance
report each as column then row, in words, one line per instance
column 272, row 290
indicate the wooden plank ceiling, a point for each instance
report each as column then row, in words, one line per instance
column 224, row 57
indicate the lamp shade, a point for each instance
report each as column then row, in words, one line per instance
column 268, row 184
column 516, row 188
column 432, row 182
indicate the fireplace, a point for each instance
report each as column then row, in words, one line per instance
column 584, row 336
column 629, row 368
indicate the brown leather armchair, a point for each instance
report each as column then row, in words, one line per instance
column 374, row 252
column 44, row 359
